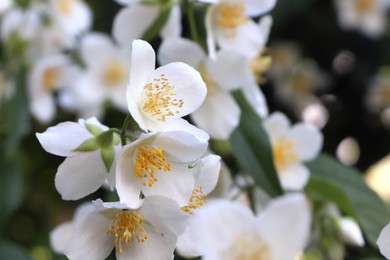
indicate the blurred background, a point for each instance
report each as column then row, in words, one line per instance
column 325, row 70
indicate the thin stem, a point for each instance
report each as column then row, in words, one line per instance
column 192, row 21
column 124, row 129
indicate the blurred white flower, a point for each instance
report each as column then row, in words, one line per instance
column 147, row 232
column 229, row 230
column 292, row 145
column 229, row 25
column 219, row 114
column 378, row 95
column 161, row 163
column 4, row 5
column 367, row 16
column 48, row 75
column 384, row 241
column 157, row 99
column 90, row 152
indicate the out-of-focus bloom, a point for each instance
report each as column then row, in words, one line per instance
column 157, row 99
column 90, row 152
column 134, row 20
column 378, row 96
column 47, row 76
column 367, row 16
column 106, row 74
column 348, row 151
column 147, row 232
column 60, row 235
column 384, row 241
column 4, row 5
column 219, row 114
column 229, row 230
column 228, row 23
column 350, row 232
column 378, row 178
column 161, row 163
column 292, row 145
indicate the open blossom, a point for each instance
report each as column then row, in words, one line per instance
column 229, row 24
column 292, row 145
column 161, row 163
column 157, row 99
column 367, row 16
column 229, row 230
column 219, row 114
column 146, row 232
column 89, row 161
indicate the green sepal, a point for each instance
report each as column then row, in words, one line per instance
column 89, row 145
column 116, row 139
column 94, row 129
column 108, row 156
column 105, row 139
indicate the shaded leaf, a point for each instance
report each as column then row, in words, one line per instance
column 10, row 250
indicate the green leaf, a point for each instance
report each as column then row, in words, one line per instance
column 159, row 23
column 108, row 156
column 253, row 150
column 9, row 250
column 89, row 145
column 346, row 187
column 94, row 129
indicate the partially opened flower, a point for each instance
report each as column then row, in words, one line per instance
column 90, row 149
column 229, row 24
column 292, row 145
column 161, row 163
column 157, row 99
column 229, row 230
column 384, row 241
column 146, row 232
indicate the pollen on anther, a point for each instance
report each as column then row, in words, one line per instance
column 197, row 200
column 230, row 16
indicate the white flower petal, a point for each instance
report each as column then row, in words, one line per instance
column 180, row 49
column 350, row 232
column 165, row 215
column 285, row 225
column 209, row 173
column 219, row 115
column 255, row 97
column 90, row 238
column 294, row 177
column 307, row 140
column 127, row 2
column 173, row 27
column 95, row 47
column 131, row 22
column 211, row 31
column 60, row 236
column 276, row 125
column 257, row 8
column 188, row 86
column 63, row 138
column 43, row 107
column 80, row 175
column 384, row 241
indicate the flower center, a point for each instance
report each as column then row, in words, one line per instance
column 259, row 65
column 248, row 247
column 127, row 228
column 301, row 83
column 113, row 73
column 197, row 200
column 160, row 101
column 284, row 154
column 65, row 6
column 148, row 162
column 365, row 6
column 50, row 77
column 230, row 16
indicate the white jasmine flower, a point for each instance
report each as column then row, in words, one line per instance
column 106, row 74
column 157, row 99
column 229, row 230
column 229, row 24
column 47, row 76
column 147, row 232
column 160, row 163
column 384, row 241
column 291, row 146
column 219, row 114
column 90, row 152
column 367, row 16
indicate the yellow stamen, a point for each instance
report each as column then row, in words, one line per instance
column 160, row 101
column 113, row 73
column 65, row 7
column 50, row 77
column 284, row 154
column 230, row 16
column 248, row 247
column 365, row 6
column 259, row 65
column 127, row 228
column 148, row 162
column 196, row 201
